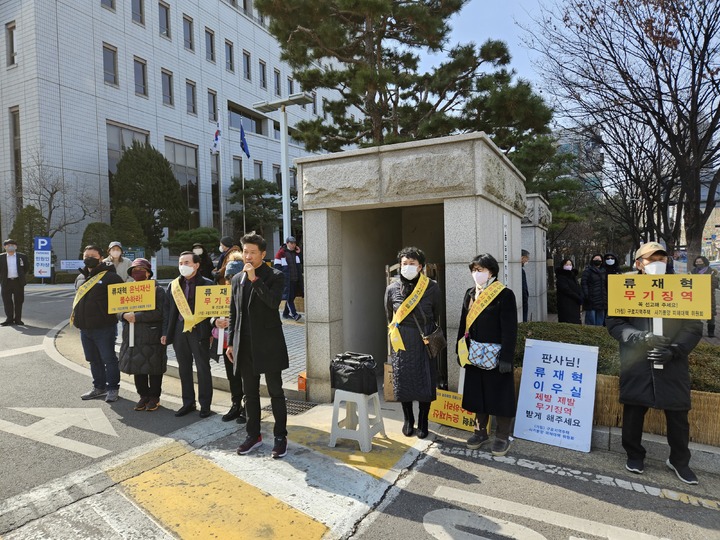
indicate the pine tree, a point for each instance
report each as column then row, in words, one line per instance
column 263, row 206
column 28, row 224
column 128, row 229
column 98, row 234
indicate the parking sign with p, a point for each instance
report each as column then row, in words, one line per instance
column 42, row 243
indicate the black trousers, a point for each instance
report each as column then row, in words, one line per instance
column 678, row 434
column 13, row 296
column 251, row 384
column 188, row 347
column 235, row 381
column 149, row 385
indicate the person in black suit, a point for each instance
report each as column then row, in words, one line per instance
column 257, row 343
column 13, row 267
column 190, row 337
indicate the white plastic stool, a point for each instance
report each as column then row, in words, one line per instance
column 357, row 424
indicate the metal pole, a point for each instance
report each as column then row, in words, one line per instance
column 284, row 173
column 242, row 177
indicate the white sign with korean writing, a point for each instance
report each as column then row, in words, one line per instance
column 557, row 394
column 43, row 264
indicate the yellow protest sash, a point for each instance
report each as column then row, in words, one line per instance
column 480, row 303
column 83, row 290
column 181, row 302
column 404, row 310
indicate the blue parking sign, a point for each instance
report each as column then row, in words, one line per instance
column 43, row 243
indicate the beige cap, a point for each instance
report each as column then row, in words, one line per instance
column 648, row 249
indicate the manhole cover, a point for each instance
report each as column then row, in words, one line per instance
column 294, row 407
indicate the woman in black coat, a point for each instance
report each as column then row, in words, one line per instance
column 594, row 288
column 569, row 294
column 206, row 264
column 414, row 372
column 147, row 359
column 490, row 391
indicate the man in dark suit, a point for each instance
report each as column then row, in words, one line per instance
column 190, row 337
column 13, row 267
column 257, row 342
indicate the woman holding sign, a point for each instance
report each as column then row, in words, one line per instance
column 486, row 349
column 146, row 358
column 412, row 303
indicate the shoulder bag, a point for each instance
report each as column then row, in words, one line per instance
column 435, row 341
column 484, row 355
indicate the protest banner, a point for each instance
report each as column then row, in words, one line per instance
column 214, row 301
column 667, row 296
column 447, row 410
column 131, row 297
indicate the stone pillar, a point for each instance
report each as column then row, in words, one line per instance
column 534, row 239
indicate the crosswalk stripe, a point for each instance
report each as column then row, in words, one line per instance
column 21, row 351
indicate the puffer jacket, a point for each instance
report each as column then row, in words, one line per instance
column 594, row 288
column 148, row 356
column 91, row 312
column 414, row 372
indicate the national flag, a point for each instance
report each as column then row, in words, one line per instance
column 215, row 148
column 243, row 142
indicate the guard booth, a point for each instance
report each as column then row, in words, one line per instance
column 452, row 197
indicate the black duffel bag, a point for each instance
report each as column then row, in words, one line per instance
column 353, row 372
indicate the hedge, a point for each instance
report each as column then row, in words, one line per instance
column 704, row 360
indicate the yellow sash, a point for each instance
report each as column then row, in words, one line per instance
column 181, row 302
column 481, row 302
column 404, row 310
column 83, row 290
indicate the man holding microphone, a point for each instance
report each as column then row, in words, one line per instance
column 257, row 343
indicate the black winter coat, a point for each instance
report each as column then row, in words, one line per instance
column 267, row 341
column 91, row 312
column 640, row 383
column 487, row 391
column 202, row 330
column 148, row 356
column 569, row 295
column 414, row 372
column 594, row 288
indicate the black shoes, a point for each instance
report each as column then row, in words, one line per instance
column 683, row 472
column 636, row 466
column 204, row 413
column 233, row 413
column 19, row 323
column 185, row 409
column 250, row 444
column 279, row 448
column 6, row 322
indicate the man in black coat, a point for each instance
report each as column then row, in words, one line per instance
column 654, row 373
column 189, row 337
column 257, row 342
column 13, row 267
column 524, row 258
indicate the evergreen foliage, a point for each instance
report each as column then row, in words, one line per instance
column 128, row 229
column 29, row 223
column 99, row 234
column 181, row 241
column 263, row 205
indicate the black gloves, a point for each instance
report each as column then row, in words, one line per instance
column 653, row 340
column 505, row 366
column 660, row 355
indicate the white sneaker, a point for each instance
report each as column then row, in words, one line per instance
column 112, row 395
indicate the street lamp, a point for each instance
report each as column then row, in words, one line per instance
column 301, row 98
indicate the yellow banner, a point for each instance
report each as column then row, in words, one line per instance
column 131, row 296
column 447, row 410
column 673, row 296
column 480, row 303
column 213, row 301
column 404, row 310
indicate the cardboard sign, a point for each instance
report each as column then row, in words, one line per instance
column 447, row 410
column 557, row 394
column 132, row 296
column 213, row 301
column 672, row 296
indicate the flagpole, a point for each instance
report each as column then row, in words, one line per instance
column 242, row 173
column 221, row 194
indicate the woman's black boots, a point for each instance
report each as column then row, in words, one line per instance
column 423, row 419
column 409, row 425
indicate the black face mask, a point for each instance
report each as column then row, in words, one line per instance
column 699, row 265
column 91, row 262
column 597, row 263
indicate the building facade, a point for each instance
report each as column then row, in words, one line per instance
column 83, row 79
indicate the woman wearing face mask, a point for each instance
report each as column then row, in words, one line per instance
column 594, row 289
column 122, row 265
column 206, row 264
column 569, row 294
column 412, row 301
column 147, row 359
column 702, row 267
column 489, row 315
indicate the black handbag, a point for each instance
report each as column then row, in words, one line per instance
column 353, row 372
column 435, row 341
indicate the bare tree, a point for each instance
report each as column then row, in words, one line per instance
column 62, row 201
column 654, row 63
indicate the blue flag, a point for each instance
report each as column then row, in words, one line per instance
column 243, row 142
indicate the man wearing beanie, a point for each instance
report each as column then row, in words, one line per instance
column 227, row 247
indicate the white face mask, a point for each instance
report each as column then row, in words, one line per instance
column 481, row 278
column 10, row 248
column 409, row 271
column 198, row 251
column 186, row 270
column 609, row 262
column 222, row 248
column 115, row 253
column 567, row 267
column 657, row 268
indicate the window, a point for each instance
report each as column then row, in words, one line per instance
column 229, row 56
column 278, row 89
column 191, row 97
column 138, row 11
column 237, row 167
column 277, row 177
column 10, row 45
column 209, row 45
column 188, row 33
column 314, row 102
column 263, row 74
column 250, row 122
column 167, row 87
column 291, row 86
column 183, row 161
column 17, row 156
column 140, row 68
column 258, row 169
column 247, row 7
column 120, row 138
column 164, row 11
column 110, row 69
column 212, row 106
column 246, row 65
column 215, row 184
column 109, row 4
column 276, row 131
